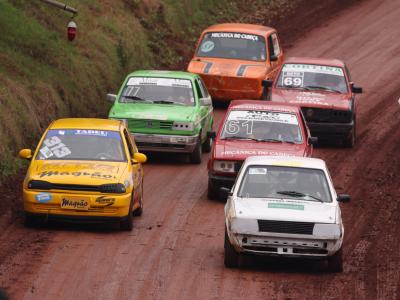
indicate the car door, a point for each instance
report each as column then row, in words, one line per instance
column 275, row 54
column 136, row 170
column 205, row 110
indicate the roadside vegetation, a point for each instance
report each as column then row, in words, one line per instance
column 43, row 76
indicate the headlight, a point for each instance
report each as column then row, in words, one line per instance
column 224, row 166
column 186, row 126
column 327, row 230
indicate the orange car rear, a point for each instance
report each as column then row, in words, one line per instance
column 234, row 59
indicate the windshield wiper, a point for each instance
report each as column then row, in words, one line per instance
column 298, row 195
column 136, row 98
column 235, row 137
column 324, row 88
column 167, row 102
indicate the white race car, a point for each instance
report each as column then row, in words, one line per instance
column 284, row 206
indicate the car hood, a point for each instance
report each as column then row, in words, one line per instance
column 312, row 98
column 228, row 67
column 162, row 112
column 77, row 172
column 240, row 150
column 285, row 210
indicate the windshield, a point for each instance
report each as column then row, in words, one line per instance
column 312, row 77
column 262, row 126
column 77, row 144
column 285, row 182
column 158, row 90
column 233, row 45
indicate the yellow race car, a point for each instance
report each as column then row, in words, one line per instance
column 85, row 170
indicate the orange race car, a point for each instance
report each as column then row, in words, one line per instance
column 234, row 59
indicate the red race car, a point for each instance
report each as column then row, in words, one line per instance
column 254, row 128
column 324, row 91
column 234, row 59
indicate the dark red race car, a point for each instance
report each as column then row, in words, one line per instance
column 254, row 128
column 324, row 91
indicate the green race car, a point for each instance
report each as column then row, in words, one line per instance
column 167, row 111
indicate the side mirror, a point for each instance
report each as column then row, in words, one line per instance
column 224, row 192
column 356, row 89
column 312, row 140
column 273, row 58
column 212, row 135
column 111, row 97
column 25, row 154
column 267, row 83
column 343, row 198
column 139, row 158
column 205, row 101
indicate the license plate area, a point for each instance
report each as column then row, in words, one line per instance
column 75, row 203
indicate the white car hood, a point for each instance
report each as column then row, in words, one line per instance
column 285, row 210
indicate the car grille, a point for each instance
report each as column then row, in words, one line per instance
column 285, row 227
column 327, row 115
column 104, row 188
column 152, row 124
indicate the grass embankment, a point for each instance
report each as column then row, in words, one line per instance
column 44, row 77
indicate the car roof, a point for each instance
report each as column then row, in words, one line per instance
column 289, row 161
column 86, row 123
column 263, row 105
column 315, row 61
column 240, row 27
column 164, row 74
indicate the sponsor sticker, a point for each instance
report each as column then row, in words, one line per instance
column 313, row 69
column 265, row 116
column 286, row 206
column 234, row 35
column 43, row 197
column 105, row 201
column 258, row 171
column 158, row 81
column 207, row 46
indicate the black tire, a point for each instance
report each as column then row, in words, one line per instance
column 195, row 156
column 350, row 140
column 30, row 221
column 139, row 211
column 127, row 224
column 207, row 145
column 335, row 262
column 231, row 257
column 212, row 191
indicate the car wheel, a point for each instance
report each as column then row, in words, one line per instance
column 127, row 224
column 350, row 140
column 30, row 221
column 195, row 156
column 231, row 257
column 207, row 145
column 139, row 211
column 212, row 191
column 335, row 262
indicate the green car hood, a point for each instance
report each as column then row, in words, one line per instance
column 150, row 111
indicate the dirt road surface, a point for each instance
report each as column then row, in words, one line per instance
column 176, row 248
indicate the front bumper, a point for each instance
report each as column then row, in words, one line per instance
column 116, row 207
column 218, row 181
column 74, row 219
column 285, row 246
column 166, row 143
column 330, row 129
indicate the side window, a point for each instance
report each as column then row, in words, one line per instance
column 198, row 89
column 131, row 148
column 275, row 44
column 203, row 88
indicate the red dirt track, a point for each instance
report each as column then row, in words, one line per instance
column 176, row 248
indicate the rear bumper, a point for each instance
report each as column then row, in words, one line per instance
column 330, row 129
column 166, row 143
